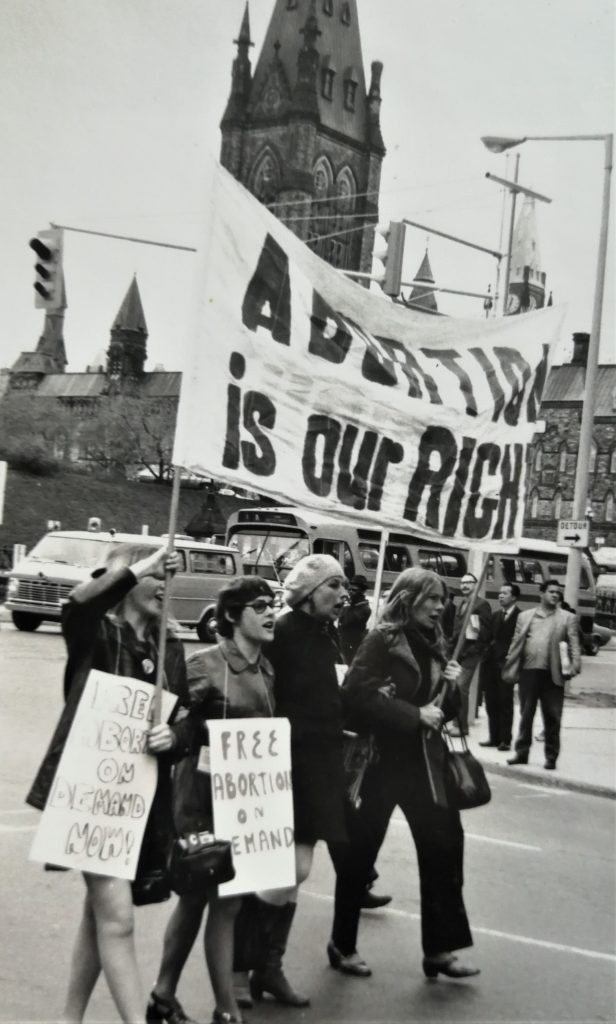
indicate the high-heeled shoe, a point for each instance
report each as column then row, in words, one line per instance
column 166, row 1009
column 224, row 1017
column 450, row 968
column 351, row 964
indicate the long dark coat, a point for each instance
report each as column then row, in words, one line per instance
column 304, row 655
column 94, row 640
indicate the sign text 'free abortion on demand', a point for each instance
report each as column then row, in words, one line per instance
column 324, row 394
column 98, row 806
column 250, row 764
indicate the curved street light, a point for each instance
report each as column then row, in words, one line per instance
column 498, row 144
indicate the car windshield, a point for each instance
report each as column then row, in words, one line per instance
column 87, row 552
column 269, row 554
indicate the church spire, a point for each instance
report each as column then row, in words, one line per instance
column 526, row 278
column 241, row 75
column 127, row 354
column 422, row 297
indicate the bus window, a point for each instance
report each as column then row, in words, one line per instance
column 271, row 555
column 397, row 558
column 490, row 570
column 445, row 563
column 521, row 570
column 558, row 571
column 369, row 556
column 347, row 561
column 327, row 547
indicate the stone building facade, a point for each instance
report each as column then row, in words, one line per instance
column 553, row 458
column 303, row 133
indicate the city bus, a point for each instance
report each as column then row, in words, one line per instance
column 271, row 540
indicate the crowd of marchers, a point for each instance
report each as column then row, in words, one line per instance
column 318, row 665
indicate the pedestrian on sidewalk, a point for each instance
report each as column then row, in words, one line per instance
column 544, row 653
column 111, row 623
column 498, row 693
column 392, row 688
column 477, row 638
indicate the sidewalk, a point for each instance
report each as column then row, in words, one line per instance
column 587, row 761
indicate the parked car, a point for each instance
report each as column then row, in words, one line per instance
column 40, row 583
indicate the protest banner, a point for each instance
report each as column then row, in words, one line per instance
column 329, row 396
column 102, row 792
column 250, row 765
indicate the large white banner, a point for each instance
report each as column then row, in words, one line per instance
column 250, row 764
column 102, row 792
column 307, row 387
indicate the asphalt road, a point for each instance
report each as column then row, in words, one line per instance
column 540, row 891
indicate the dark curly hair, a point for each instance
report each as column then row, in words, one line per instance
column 233, row 599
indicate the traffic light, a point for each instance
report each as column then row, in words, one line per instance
column 390, row 256
column 48, row 284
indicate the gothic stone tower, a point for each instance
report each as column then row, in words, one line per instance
column 127, row 354
column 303, row 134
column 50, row 355
column 527, row 280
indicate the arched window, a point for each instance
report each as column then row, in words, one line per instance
column 265, row 178
column 538, row 460
column 328, row 7
column 562, row 459
column 557, row 504
column 350, row 88
column 345, row 14
column 592, row 462
column 534, row 505
column 613, row 461
column 328, row 74
column 608, row 507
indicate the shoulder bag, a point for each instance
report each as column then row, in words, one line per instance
column 466, row 784
column 197, row 859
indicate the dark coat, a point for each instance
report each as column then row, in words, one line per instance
column 352, row 627
column 304, row 655
column 502, row 635
column 94, row 640
column 385, row 660
column 249, row 694
column 472, row 651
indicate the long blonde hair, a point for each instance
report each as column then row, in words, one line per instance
column 410, row 589
column 122, row 557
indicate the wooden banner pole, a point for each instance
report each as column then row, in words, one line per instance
column 162, row 640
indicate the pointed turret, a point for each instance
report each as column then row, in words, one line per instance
column 422, row 297
column 126, row 354
column 526, row 279
column 241, row 76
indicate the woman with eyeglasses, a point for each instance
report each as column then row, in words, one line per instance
column 232, row 679
column 111, row 623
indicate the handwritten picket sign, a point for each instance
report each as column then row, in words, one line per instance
column 326, row 395
column 98, row 806
column 250, row 763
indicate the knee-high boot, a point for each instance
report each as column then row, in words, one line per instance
column 270, row 978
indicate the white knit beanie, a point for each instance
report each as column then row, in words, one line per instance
column 309, row 573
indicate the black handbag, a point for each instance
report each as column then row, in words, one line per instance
column 199, row 860
column 151, row 887
column 466, row 783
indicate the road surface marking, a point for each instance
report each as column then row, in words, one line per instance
column 487, row 839
column 19, row 810
column 558, row 947
column 18, row 828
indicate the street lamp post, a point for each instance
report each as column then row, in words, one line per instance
column 498, row 144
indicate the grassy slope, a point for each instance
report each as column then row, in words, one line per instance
column 72, row 498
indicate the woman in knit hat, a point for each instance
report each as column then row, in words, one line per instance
column 304, row 655
column 392, row 687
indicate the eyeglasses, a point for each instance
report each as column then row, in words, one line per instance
column 262, row 604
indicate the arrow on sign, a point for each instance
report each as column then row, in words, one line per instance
column 575, row 537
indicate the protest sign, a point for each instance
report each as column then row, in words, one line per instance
column 250, row 763
column 102, row 792
column 321, row 393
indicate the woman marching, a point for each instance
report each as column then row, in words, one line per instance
column 230, row 680
column 392, row 688
column 111, row 623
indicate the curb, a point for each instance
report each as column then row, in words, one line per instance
column 550, row 780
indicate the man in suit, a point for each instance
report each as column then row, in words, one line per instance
column 499, row 694
column 544, row 652
column 475, row 645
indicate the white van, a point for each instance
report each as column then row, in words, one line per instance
column 40, row 583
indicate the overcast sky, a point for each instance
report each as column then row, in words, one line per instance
column 110, row 110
